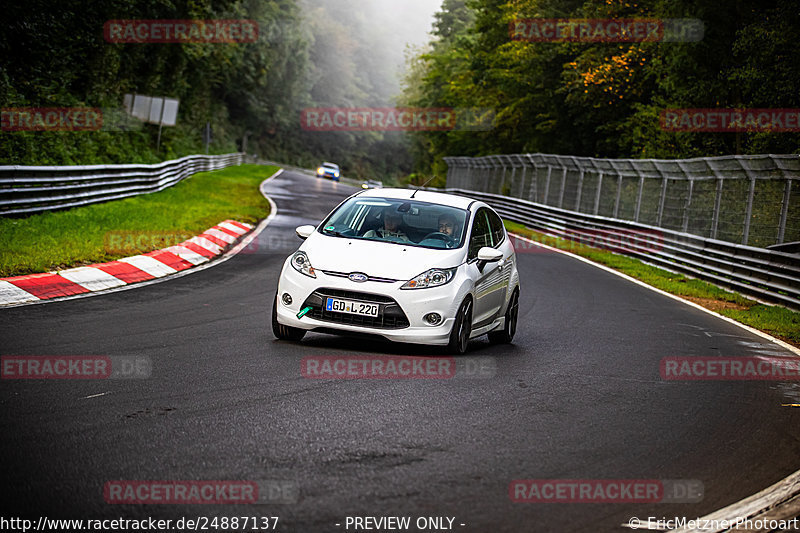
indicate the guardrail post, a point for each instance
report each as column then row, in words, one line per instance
column 749, row 213
column 502, row 186
column 597, row 194
column 580, row 191
column 787, row 191
column 686, row 207
column 522, row 178
column 533, row 190
column 715, row 215
column 638, row 197
column 563, row 185
column 661, row 201
column 547, row 184
column 511, row 187
column 619, row 194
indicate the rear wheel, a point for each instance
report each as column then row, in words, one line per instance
column 286, row 333
column 459, row 336
column 506, row 335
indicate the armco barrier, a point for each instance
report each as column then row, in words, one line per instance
column 33, row 189
column 765, row 274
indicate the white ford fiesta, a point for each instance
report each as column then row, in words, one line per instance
column 410, row 266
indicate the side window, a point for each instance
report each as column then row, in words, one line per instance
column 498, row 235
column 481, row 234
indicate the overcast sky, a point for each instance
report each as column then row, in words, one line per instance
column 396, row 24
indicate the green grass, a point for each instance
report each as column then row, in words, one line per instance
column 777, row 321
column 111, row 230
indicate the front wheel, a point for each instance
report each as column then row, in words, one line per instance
column 285, row 333
column 506, row 335
column 459, row 336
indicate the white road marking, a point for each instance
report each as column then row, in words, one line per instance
column 794, row 350
column 95, row 395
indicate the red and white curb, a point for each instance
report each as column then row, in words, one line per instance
column 138, row 268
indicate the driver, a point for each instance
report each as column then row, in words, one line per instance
column 391, row 227
column 447, row 225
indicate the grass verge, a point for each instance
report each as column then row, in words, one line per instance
column 112, row 230
column 777, row 321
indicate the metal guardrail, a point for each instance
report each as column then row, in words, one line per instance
column 768, row 275
column 33, row 189
column 747, row 199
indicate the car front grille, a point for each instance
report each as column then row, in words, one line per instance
column 390, row 315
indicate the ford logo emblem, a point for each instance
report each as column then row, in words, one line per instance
column 358, row 277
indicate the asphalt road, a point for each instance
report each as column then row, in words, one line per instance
column 577, row 396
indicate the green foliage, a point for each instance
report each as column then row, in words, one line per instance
column 78, row 236
column 604, row 99
column 55, row 55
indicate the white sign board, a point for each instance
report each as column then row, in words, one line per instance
column 141, row 107
column 170, row 115
column 155, row 110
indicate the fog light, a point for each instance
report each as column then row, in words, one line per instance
column 287, row 300
column 433, row 319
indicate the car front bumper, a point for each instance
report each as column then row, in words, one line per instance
column 415, row 304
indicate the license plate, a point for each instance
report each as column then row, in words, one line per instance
column 337, row 305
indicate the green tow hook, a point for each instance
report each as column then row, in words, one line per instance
column 303, row 312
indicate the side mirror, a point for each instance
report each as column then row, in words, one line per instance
column 488, row 255
column 304, row 232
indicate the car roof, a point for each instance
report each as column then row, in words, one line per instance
column 423, row 196
column 328, row 163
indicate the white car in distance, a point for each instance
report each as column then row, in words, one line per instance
column 410, row 266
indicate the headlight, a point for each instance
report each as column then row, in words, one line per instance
column 301, row 263
column 431, row 278
column 320, row 170
column 336, row 173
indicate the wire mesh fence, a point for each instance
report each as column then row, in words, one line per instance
column 749, row 199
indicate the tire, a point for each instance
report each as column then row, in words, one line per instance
column 285, row 333
column 459, row 335
column 506, row 335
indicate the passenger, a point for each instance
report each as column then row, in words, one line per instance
column 391, row 227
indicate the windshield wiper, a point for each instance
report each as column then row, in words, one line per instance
column 334, row 233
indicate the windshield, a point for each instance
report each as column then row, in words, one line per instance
column 398, row 221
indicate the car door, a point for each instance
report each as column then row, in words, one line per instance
column 505, row 266
column 488, row 290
